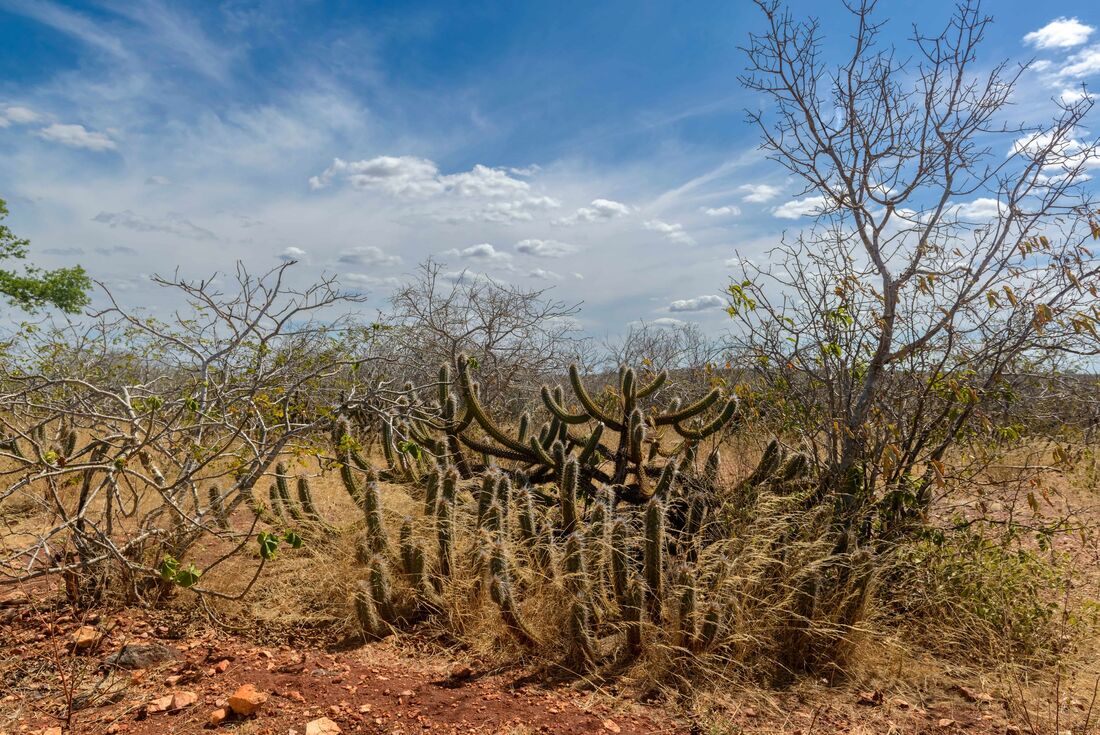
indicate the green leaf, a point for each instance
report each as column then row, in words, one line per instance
column 292, row 538
column 187, row 577
column 269, row 545
column 168, row 569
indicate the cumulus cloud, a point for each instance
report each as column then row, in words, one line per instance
column 1072, row 95
column 699, row 303
column 505, row 198
column 464, row 277
column 292, row 253
column 173, row 224
column 981, row 209
column 1084, row 63
column 599, row 209
column 17, row 115
column 1059, row 33
column 367, row 256
column 363, row 279
column 673, row 231
column 76, row 136
column 799, row 207
column 758, row 193
column 482, row 253
column 544, row 275
column 545, row 248
column 727, row 211
column 667, row 322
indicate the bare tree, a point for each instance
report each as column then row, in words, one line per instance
column 947, row 248
column 140, row 436
column 516, row 336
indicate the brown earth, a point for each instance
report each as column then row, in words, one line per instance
column 388, row 688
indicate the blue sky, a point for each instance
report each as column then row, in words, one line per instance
column 599, row 148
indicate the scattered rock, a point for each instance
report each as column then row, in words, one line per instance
column 869, row 699
column 218, row 716
column 160, row 704
column 140, row 656
column 322, row 726
column 973, row 695
column 611, row 726
column 946, row 722
column 84, row 637
column 246, row 700
column 221, row 666
column 183, row 699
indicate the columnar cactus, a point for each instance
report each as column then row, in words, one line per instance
column 286, row 502
column 654, row 556
column 372, row 509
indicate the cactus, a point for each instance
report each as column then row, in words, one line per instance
column 528, row 521
column 305, row 500
column 365, row 610
column 286, row 502
column 582, row 644
column 382, row 589
column 654, row 553
column 567, row 492
column 633, row 601
column 372, row 510
column 711, row 628
column 274, row 503
column 218, row 507
column 687, row 622
column 500, row 590
column 620, row 558
column 445, row 525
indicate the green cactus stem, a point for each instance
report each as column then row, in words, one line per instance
column 654, row 556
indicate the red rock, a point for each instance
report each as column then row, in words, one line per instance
column 322, row 726
column 183, row 699
column 84, row 637
column 246, row 700
column 218, row 716
column 221, row 666
column 611, row 726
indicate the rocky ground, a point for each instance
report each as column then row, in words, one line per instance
column 134, row 672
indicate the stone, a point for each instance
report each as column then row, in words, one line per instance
column 182, row 699
column 218, row 716
column 246, row 700
column 140, row 656
column 84, row 637
column 322, row 726
column 611, row 726
column 221, row 666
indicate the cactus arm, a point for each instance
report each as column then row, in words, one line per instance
column 588, row 403
column 714, row 425
column 558, row 411
column 473, row 405
column 692, row 409
column 499, row 452
column 591, row 445
column 543, row 457
column 658, row 381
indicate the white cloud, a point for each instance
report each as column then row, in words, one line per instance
column 363, row 279
column 483, row 252
column 599, row 209
column 545, row 248
column 503, row 197
column 673, row 231
column 465, row 276
column 1059, row 33
column 172, row 223
column 544, row 275
column 699, row 303
column 1072, row 95
column 981, row 209
column 292, row 253
column 798, row 207
column 667, row 322
column 758, row 193
column 1082, row 64
column 367, row 256
column 76, row 136
column 727, row 211
column 18, row 115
